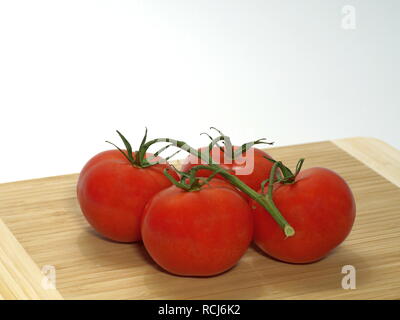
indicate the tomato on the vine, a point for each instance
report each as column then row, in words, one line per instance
column 200, row 232
column 318, row 204
column 113, row 189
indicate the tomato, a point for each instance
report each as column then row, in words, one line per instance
column 112, row 194
column 197, row 233
column 251, row 167
column 319, row 205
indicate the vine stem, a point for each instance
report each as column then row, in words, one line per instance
column 264, row 201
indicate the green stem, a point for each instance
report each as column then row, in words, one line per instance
column 267, row 203
column 228, row 148
column 288, row 176
column 175, row 182
column 213, row 143
column 289, row 231
column 179, row 144
column 246, row 146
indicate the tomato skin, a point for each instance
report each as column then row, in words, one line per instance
column 197, row 233
column 112, row 194
column 261, row 167
column 319, row 206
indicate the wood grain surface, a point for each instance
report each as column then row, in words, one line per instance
column 45, row 218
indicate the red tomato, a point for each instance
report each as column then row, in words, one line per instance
column 112, row 194
column 197, row 233
column 319, row 205
column 250, row 167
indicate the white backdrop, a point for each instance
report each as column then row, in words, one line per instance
column 71, row 72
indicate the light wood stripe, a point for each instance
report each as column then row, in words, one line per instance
column 20, row 278
column 376, row 154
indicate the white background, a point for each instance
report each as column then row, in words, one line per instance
column 72, row 72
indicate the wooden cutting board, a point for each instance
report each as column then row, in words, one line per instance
column 41, row 225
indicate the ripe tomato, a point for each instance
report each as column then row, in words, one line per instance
column 251, row 167
column 197, row 233
column 319, row 205
column 112, row 194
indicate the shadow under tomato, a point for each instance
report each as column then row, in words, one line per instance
column 138, row 250
column 267, row 256
column 105, row 252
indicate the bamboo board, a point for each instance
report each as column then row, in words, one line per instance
column 42, row 225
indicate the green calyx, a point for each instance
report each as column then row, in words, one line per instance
column 284, row 175
column 228, row 148
column 189, row 181
column 138, row 158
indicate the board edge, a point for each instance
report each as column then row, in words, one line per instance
column 376, row 154
column 19, row 274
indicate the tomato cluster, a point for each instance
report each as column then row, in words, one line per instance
column 201, row 220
